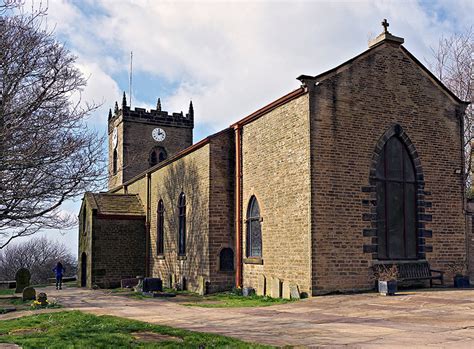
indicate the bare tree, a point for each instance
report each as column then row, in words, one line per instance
column 39, row 256
column 453, row 64
column 47, row 154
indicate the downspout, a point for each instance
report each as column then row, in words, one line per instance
column 238, row 204
column 147, row 224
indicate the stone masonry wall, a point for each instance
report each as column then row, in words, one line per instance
column 85, row 244
column 221, row 208
column 275, row 168
column 350, row 111
column 135, row 143
column 118, row 250
column 189, row 175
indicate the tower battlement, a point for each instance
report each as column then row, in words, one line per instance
column 152, row 116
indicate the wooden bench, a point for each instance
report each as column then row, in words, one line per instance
column 415, row 271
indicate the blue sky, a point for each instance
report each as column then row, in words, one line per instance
column 230, row 58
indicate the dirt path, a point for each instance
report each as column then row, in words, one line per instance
column 427, row 318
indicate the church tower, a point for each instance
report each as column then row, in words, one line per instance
column 140, row 139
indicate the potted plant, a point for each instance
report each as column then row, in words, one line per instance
column 459, row 269
column 386, row 276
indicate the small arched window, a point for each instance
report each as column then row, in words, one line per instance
column 157, row 155
column 182, row 225
column 153, row 158
column 114, row 162
column 226, row 260
column 396, row 202
column 160, row 238
column 254, row 229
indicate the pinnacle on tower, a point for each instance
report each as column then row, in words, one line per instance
column 158, row 105
column 124, row 100
column 110, row 113
column 116, row 108
column 191, row 110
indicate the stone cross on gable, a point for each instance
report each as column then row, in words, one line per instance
column 385, row 25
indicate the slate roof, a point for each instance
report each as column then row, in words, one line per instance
column 115, row 204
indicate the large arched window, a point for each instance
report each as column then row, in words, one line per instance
column 182, row 225
column 160, row 222
column 254, row 229
column 396, row 202
column 114, row 162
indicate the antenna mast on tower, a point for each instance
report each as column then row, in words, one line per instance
column 130, row 81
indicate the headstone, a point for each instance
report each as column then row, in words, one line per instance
column 268, row 286
column 139, row 286
column 248, row 291
column 42, row 298
column 22, row 278
column 286, row 290
column 276, row 288
column 29, row 294
column 261, row 285
column 173, row 281
column 294, row 292
column 152, row 284
column 201, row 286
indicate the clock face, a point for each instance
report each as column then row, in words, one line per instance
column 114, row 138
column 158, row 134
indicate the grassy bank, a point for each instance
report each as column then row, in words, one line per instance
column 70, row 329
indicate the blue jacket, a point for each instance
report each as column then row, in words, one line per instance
column 59, row 271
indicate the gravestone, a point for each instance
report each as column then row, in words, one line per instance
column 294, row 292
column 268, row 286
column 152, row 285
column 22, row 278
column 286, row 290
column 276, row 288
column 29, row 294
column 139, row 287
column 261, row 285
column 201, row 286
column 42, row 298
column 248, row 291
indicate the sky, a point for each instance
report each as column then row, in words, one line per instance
column 229, row 58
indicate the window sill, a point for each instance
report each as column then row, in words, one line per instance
column 160, row 256
column 253, row 260
column 182, row 258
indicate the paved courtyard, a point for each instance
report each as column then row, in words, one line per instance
column 442, row 318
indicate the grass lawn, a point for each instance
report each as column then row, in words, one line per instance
column 74, row 329
column 232, row 300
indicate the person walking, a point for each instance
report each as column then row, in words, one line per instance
column 59, row 270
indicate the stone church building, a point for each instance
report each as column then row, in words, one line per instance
column 361, row 165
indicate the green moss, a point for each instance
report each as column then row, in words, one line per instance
column 74, row 329
column 232, row 300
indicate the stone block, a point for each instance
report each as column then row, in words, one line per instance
column 22, row 278
column 261, row 285
column 276, row 288
column 286, row 294
column 29, row 294
column 294, row 292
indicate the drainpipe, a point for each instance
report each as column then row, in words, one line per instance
column 238, row 204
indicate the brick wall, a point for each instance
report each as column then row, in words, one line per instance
column 350, row 111
column 275, row 168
